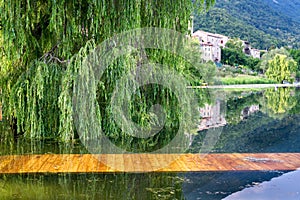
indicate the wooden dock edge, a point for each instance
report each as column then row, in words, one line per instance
column 141, row 163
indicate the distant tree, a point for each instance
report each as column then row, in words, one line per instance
column 295, row 54
column 205, row 71
column 208, row 72
column 253, row 63
column 234, row 57
column 236, row 44
column 281, row 68
column 264, row 65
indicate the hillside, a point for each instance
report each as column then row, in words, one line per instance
column 290, row 8
column 262, row 24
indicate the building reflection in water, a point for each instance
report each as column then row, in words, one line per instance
column 247, row 111
column 211, row 116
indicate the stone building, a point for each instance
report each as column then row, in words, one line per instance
column 210, row 44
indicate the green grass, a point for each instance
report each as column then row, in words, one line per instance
column 241, row 89
column 244, row 79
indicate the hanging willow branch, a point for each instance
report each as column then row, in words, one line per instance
column 40, row 99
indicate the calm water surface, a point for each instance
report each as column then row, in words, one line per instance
column 248, row 121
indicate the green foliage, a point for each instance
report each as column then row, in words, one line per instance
column 33, row 100
column 154, row 186
column 246, row 80
column 281, row 68
column 9, row 74
column 232, row 57
column 295, row 54
column 235, row 57
column 236, row 44
column 235, row 105
column 233, row 54
column 66, row 129
column 255, row 22
column 279, row 101
column 46, row 42
column 290, row 8
column 270, row 55
column 203, row 71
column 296, row 108
column 258, row 134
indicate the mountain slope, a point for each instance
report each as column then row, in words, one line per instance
column 257, row 22
column 290, row 8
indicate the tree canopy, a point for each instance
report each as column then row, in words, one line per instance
column 295, row 54
column 282, row 68
column 236, row 44
column 46, row 41
column 233, row 55
column 270, row 56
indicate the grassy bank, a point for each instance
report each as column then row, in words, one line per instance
column 245, row 79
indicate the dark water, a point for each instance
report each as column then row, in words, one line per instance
column 215, row 185
column 251, row 121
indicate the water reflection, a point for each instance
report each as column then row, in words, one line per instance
column 12, row 145
column 160, row 186
column 92, row 186
column 239, row 106
column 212, row 116
column 257, row 134
column 280, row 101
column 218, row 185
column 247, row 111
column 250, row 125
column 254, row 121
column 283, row 187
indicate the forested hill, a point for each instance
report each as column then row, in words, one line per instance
column 262, row 23
column 290, row 8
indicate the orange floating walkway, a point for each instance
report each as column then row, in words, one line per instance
column 106, row 163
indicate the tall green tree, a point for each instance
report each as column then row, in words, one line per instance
column 236, row 44
column 233, row 56
column 295, row 54
column 281, row 68
column 46, row 41
column 264, row 65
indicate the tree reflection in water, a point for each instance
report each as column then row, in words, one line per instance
column 280, row 101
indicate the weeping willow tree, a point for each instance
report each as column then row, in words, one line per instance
column 282, row 68
column 267, row 57
column 43, row 45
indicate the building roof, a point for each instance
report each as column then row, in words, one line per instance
column 199, row 32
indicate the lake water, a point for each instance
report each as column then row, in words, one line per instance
column 241, row 121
